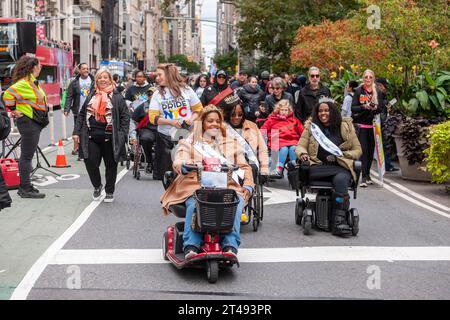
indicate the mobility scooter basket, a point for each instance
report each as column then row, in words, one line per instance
column 216, row 209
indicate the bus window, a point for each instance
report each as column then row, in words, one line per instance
column 48, row 74
column 8, row 34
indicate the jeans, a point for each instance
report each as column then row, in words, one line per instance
column 29, row 133
column 97, row 151
column 283, row 153
column 192, row 238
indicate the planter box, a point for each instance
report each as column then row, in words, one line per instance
column 410, row 172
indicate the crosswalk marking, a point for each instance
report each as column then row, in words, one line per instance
column 262, row 255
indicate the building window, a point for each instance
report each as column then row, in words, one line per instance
column 76, row 2
column 76, row 49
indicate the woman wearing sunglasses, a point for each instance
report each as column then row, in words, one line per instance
column 279, row 87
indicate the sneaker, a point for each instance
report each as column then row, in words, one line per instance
column 392, row 169
column 74, row 152
column 363, row 183
column 275, row 174
column 369, row 181
column 109, row 197
column 97, row 193
column 190, row 251
column 30, row 193
column 230, row 250
column 244, row 217
column 148, row 169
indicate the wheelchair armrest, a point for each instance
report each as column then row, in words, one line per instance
column 304, row 167
column 168, row 178
column 357, row 166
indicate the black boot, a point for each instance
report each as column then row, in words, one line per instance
column 341, row 204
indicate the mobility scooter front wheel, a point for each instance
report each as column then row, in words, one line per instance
column 212, row 271
column 299, row 211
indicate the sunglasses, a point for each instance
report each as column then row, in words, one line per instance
column 276, row 88
column 221, row 77
column 314, row 76
column 368, row 77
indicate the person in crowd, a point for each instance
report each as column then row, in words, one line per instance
column 118, row 83
column 102, row 131
column 209, row 133
column 185, row 75
column 287, row 79
column 248, row 135
column 331, row 162
column 171, row 106
column 251, row 97
column 264, row 82
column 200, row 84
column 283, row 131
column 241, row 81
column 219, row 87
column 279, row 93
column 28, row 104
column 310, row 95
column 348, row 98
column 383, row 85
column 77, row 92
column 147, row 131
column 296, row 86
column 138, row 91
column 365, row 105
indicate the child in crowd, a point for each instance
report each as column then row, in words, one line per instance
column 283, row 130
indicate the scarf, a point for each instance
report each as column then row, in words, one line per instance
column 101, row 102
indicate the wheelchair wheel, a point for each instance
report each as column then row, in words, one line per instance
column 255, row 222
column 298, row 211
column 307, row 221
column 260, row 196
column 165, row 246
column 128, row 164
column 212, row 271
column 354, row 216
column 138, row 175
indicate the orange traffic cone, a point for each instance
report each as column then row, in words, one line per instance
column 61, row 161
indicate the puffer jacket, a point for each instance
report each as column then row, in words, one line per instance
column 286, row 129
column 351, row 148
column 251, row 98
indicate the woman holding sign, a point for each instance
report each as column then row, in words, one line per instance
column 330, row 144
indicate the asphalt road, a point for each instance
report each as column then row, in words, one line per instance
column 115, row 253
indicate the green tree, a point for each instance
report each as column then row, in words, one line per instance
column 227, row 61
column 270, row 25
column 182, row 61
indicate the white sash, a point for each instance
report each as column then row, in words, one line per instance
column 324, row 141
column 247, row 148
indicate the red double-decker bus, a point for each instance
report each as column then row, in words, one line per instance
column 18, row 37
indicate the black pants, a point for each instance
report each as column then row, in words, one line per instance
column 340, row 176
column 97, row 151
column 163, row 157
column 367, row 141
column 29, row 133
column 147, row 138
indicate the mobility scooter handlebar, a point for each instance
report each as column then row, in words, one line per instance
column 186, row 168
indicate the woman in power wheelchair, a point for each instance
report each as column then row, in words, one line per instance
column 255, row 149
column 328, row 150
column 208, row 140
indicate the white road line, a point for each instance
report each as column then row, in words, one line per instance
column 408, row 198
column 54, row 147
column 27, row 283
column 415, row 194
column 261, row 255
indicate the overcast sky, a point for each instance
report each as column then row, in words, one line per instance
column 208, row 29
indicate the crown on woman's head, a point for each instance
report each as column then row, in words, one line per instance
column 324, row 99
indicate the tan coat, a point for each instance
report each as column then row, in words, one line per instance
column 351, row 148
column 251, row 133
column 184, row 185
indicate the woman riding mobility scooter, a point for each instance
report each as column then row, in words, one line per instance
column 328, row 150
column 210, row 201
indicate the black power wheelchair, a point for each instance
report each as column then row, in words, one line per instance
column 317, row 213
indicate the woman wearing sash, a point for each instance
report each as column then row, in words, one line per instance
column 248, row 135
column 208, row 139
column 330, row 144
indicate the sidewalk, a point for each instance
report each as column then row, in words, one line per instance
column 30, row 226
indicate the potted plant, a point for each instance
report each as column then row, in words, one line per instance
column 438, row 154
column 425, row 103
